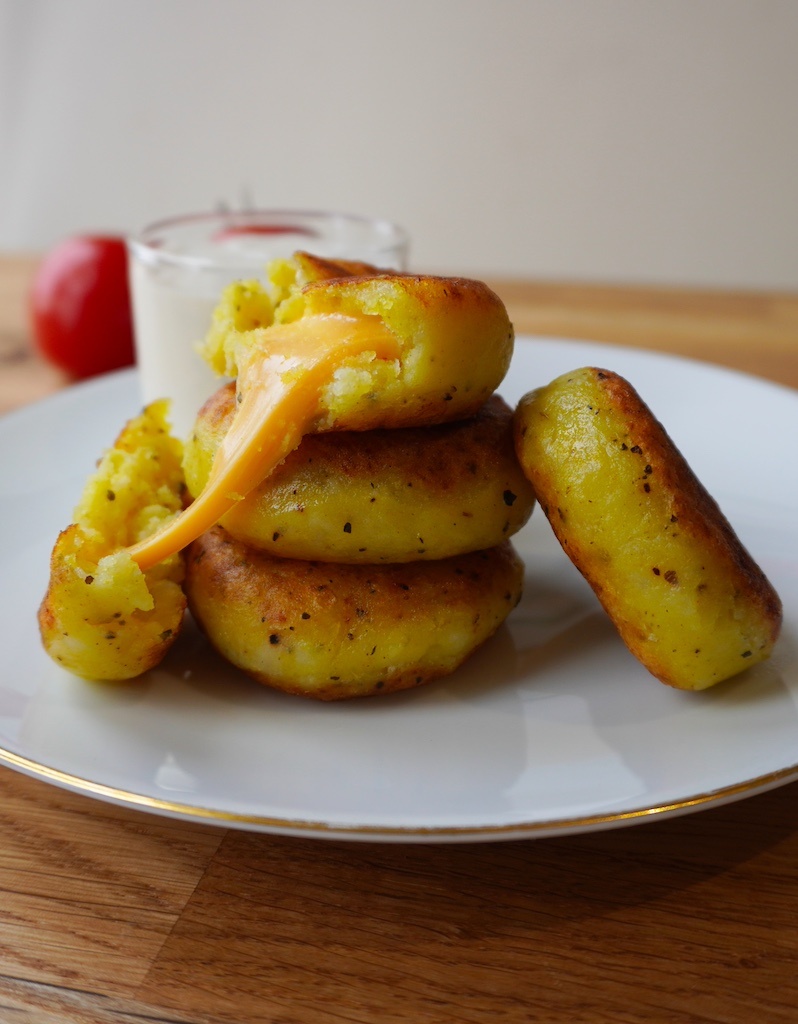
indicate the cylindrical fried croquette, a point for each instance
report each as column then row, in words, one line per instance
column 686, row 597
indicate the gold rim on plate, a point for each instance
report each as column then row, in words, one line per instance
column 209, row 816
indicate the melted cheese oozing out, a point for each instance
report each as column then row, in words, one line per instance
column 278, row 384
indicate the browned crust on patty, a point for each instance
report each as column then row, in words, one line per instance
column 338, row 631
column 692, row 506
column 382, row 495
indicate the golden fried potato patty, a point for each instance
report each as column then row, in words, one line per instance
column 454, row 336
column 378, row 496
column 336, row 631
column 102, row 617
column 687, row 598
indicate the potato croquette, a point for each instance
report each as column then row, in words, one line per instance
column 686, row 597
column 102, row 617
column 455, row 340
column 337, row 631
column 377, row 496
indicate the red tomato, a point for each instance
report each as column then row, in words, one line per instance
column 80, row 306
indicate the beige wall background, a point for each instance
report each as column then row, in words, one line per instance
column 639, row 140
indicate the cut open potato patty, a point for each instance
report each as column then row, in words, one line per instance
column 101, row 617
column 686, row 597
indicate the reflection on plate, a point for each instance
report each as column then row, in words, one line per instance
column 551, row 728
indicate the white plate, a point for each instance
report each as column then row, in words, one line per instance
column 551, row 728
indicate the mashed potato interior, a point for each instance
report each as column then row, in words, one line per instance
column 102, row 617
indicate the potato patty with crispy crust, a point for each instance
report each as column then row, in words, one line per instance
column 686, row 597
column 333, row 631
column 102, row 618
column 378, row 496
column 454, row 339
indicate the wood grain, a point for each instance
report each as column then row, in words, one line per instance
column 554, row 930
column 111, row 916
column 751, row 331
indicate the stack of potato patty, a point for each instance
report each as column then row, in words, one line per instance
column 370, row 560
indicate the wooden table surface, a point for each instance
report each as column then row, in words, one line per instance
column 112, row 915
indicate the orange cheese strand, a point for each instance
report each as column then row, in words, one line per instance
column 279, row 384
